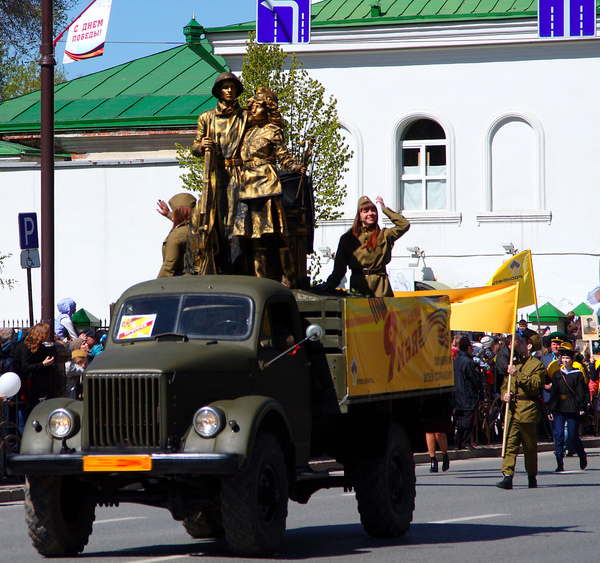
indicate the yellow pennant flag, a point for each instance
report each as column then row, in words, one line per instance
column 487, row 309
column 518, row 269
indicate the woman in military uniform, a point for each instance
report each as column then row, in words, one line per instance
column 366, row 249
column 260, row 216
column 173, row 249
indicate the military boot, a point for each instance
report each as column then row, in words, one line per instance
column 506, row 483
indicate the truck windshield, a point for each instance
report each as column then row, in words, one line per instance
column 210, row 317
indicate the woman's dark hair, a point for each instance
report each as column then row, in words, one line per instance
column 181, row 215
column 371, row 242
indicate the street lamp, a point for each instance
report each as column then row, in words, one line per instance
column 509, row 248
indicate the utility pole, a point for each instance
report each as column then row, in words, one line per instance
column 47, row 64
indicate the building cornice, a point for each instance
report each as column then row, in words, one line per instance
column 415, row 36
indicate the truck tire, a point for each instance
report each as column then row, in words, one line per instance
column 254, row 502
column 206, row 523
column 59, row 515
column 386, row 488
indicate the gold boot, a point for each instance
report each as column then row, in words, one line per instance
column 260, row 262
column 287, row 266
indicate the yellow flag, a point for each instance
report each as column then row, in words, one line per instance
column 518, row 269
column 487, row 309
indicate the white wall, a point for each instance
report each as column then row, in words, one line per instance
column 544, row 164
column 108, row 233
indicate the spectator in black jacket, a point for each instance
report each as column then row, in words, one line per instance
column 468, row 384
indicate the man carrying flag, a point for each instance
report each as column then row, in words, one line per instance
column 521, row 391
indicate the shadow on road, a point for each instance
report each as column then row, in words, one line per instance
column 344, row 540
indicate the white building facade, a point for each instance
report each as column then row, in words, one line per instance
column 481, row 133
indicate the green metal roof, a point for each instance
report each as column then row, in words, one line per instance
column 14, row 149
column 168, row 89
column 341, row 13
column 583, row 309
column 548, row 314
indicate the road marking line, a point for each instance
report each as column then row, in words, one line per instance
column 466, row 519
column 120, row 519
column 156, row 559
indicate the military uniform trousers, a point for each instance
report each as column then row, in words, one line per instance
column 525, row 433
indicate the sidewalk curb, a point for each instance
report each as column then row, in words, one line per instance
column 11, row 493
column 15, row 493
column 495, row 450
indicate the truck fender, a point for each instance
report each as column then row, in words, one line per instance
column 37, row 440
column 243, row 417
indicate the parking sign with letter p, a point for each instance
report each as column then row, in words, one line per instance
column 28, row 231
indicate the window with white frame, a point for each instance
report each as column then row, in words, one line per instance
column 424, row 173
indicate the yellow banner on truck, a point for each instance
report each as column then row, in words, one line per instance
column 398, row 344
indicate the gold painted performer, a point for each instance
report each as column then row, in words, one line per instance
column 260, row 217
column 212, row 248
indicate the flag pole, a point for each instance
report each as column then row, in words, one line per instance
column 505, row 432
column 512, row 355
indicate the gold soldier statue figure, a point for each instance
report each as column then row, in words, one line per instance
column 260, row 221
column 212, row 248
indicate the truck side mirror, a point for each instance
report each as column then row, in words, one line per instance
column 314, row 333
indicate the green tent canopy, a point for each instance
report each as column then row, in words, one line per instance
column 583, row 309
column 84, row 319
column 548, row 314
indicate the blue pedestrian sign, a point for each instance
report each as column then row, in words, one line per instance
column 566, row 18
column 28, row 231
column 283, row 21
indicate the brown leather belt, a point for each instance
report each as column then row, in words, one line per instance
column 258, row 162
column 524, row 398
column 565, row 397
column 372, row 271
column 233, row 162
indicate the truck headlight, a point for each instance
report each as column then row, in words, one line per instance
column 62, row 423
column 208, row 422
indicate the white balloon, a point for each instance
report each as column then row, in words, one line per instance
column 10, row 383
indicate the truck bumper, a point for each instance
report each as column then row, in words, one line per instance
column 154, row 464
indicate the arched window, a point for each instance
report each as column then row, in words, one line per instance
column 424, row 173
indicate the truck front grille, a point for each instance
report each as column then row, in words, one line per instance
column 123, row 410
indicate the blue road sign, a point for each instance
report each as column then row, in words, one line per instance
column 283, row 21
column 28, row 231
column 566, row 18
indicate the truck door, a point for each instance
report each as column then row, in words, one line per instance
column 287, row 380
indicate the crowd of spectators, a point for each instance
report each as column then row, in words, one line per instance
column 49, row 361
column 480, row 367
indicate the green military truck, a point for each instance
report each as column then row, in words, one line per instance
column 214, row 397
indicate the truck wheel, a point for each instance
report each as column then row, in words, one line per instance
column 254, row 502
column 59, row 515
column 206, row 523
column 386, row 488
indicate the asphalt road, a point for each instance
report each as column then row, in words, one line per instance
column 460, row 516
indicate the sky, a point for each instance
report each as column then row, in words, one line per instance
column 137, row 29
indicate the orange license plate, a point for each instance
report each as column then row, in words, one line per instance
column 117, row 463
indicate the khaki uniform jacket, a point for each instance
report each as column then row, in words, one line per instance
column 264, row 146
column 527, row 381
column 351, row 253
column 173, row 251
